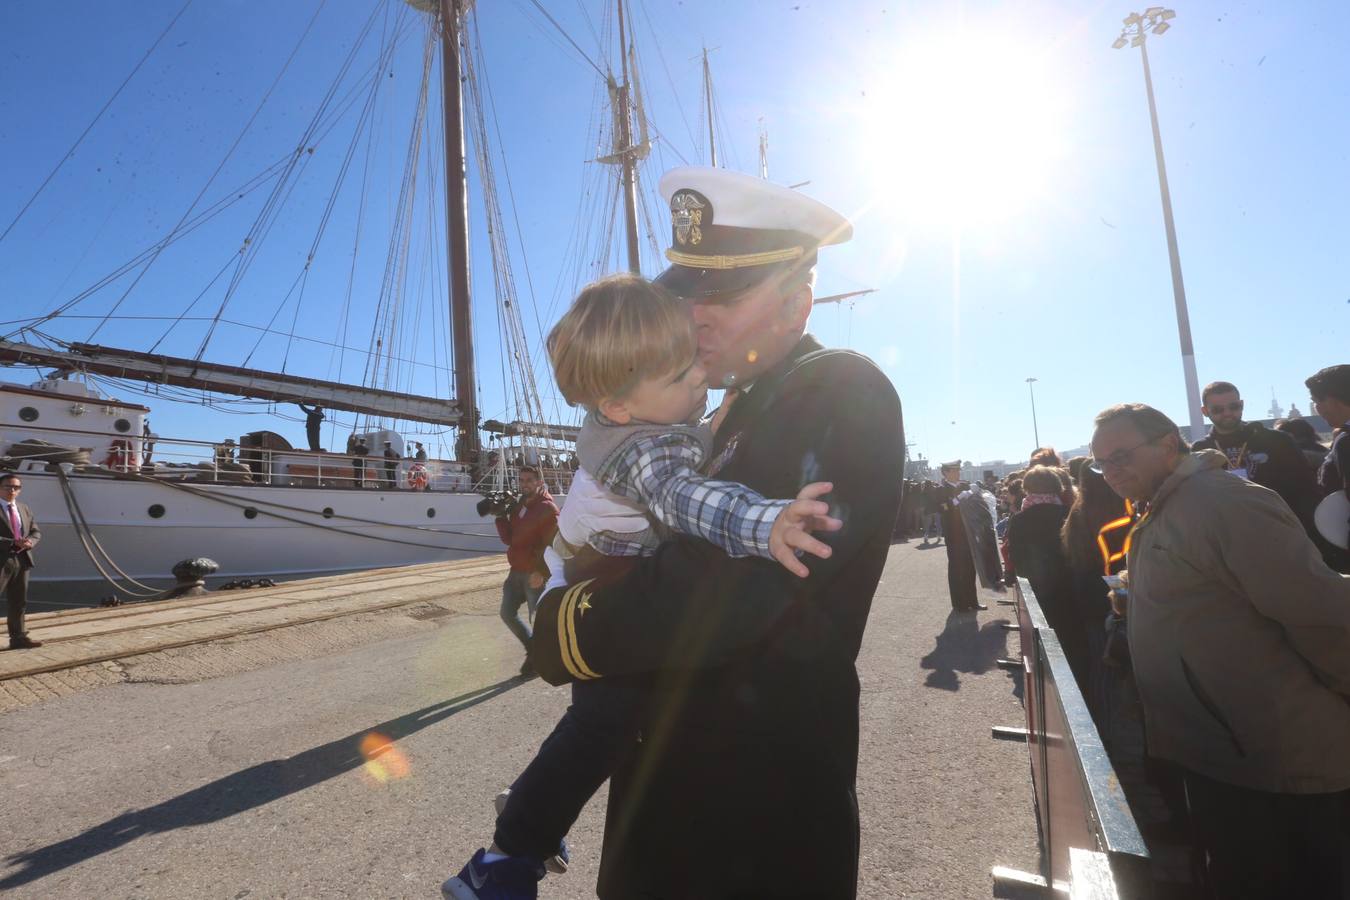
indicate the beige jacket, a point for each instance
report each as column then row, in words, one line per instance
column 1240, row 636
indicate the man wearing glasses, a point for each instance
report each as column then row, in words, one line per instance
column 19, row 534
column 1240, row 641
column 1269, row 458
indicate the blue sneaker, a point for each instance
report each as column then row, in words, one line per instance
column 558, row 862
column 512, row 878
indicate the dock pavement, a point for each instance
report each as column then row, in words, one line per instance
column 344, row 737
column 80, row 637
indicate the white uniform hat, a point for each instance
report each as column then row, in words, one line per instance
column 730, row 231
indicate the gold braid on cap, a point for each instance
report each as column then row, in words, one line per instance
column 734, row 262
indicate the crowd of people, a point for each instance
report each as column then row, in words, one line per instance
column 1224, row 648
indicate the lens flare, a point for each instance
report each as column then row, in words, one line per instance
column 752, row 356
column 384, row 762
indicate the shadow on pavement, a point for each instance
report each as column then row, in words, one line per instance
column 964, row 646
column 241, row 791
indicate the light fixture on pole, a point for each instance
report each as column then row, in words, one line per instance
column 1035, row 429
column 1137, row 27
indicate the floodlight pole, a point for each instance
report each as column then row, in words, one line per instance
column 1142, row 24
column 1035, row 429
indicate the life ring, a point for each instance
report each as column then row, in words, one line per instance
column 122, row 456
column 417, row 477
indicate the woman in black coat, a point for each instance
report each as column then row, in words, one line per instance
column 1038, row 556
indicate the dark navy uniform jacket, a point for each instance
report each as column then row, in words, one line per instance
column 742, row 784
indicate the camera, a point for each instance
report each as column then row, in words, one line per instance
column 499, row 503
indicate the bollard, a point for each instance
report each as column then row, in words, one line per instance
column 191, row 575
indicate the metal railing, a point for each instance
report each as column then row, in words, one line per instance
column 1081, row 810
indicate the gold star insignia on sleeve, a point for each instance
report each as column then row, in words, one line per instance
column 584, row 605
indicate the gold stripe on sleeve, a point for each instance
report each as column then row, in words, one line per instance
column 563, row 615
column 567, row 634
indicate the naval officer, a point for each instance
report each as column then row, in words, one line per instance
column 961, row 572
column 742, row 782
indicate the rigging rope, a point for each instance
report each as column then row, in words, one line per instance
column 302, row 154
column 230, row 152
column 524, row 387
column 543, row 360
column 79, row 140
column 90, row 544
column 554, row 22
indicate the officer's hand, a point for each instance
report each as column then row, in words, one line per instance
column 792, row 529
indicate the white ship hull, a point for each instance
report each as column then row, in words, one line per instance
column 250, row 530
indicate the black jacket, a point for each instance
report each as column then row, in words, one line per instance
column 1274, row 461
column 1038, row 556
column 944, row 502
column 1331, row 475
column 743, row 782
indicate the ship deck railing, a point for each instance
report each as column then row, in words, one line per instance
column 219, row 462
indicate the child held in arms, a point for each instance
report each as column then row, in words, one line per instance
column 627, row 352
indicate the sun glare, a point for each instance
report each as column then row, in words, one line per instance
column 966, row 131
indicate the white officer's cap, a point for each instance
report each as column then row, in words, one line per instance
column 730, row 231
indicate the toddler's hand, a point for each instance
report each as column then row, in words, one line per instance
column 792, row 529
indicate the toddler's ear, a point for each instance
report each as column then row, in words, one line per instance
column 615, row 410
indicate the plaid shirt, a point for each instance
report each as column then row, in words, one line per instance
column 661, row 473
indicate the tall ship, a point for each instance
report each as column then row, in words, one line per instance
column 348, row 231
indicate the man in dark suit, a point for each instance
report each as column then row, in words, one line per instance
column 19, row 534
column 960, row 560
column 742, row 781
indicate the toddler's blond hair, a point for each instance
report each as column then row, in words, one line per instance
column 620, row 330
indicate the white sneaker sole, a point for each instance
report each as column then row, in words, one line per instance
column 456, row 889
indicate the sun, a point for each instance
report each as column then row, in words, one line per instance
column 965, row 131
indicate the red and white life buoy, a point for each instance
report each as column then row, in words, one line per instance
column 122, row 456
column 417, row 477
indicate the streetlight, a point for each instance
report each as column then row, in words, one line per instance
column 1138, row 26
column 1035, row 429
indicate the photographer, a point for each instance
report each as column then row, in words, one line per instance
column 526, row 528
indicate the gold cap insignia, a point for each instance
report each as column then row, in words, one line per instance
column 686, row 214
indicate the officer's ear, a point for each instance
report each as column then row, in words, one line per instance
column 797, row 306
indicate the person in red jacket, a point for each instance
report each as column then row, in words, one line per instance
column 526, row 532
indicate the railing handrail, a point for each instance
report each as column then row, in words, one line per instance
column 557, row 477
column 1109, row 818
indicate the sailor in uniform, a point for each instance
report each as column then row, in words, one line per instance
column 742, row 783
column 961, row 572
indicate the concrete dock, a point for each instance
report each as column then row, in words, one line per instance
column 241, row 766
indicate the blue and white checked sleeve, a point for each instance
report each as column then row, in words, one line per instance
column 660, row 472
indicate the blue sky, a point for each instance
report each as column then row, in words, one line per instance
column 996, row 159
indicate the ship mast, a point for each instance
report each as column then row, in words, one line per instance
column 629, row 160
column 708, row 99
column 457, row 231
